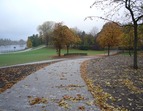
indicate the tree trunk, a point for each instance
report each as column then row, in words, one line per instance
column 130, row 52
column 130, row 46
column 108, row 50
column 59, row 52
column 135, row 45
column 128, row 6
column 67, row 49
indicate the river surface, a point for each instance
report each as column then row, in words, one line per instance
column 11, row 48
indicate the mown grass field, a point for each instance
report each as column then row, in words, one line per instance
column 37, row 55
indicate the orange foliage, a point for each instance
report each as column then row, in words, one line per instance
column 109, row 35
column 63, row 36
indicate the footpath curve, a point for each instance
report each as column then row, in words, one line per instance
column 57, row 87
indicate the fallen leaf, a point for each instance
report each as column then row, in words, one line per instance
column 66, row 97
column 63, row 103
column 37, row 100
column 90, row 103
column 81, row 108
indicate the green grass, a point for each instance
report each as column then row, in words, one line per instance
column 126, row 52
column 36, row 55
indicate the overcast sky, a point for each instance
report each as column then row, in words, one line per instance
column 20, row 18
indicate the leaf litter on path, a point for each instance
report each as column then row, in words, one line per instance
column 37, row 100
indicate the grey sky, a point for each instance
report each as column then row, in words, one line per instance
column 20, row 18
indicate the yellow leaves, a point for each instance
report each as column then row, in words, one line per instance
column 128, row 83
column 6, row 86
column 63, row 36
column 82, row 108
column 89, row 103
column 66, row 98
column 100, row 96
column 127, row 37
column 109, row 35
column 123, row 83
column 63, row 103
column 37, row 100
column 74, row 85
column 29, row 43
column 108, row 84
column 78, row 97
column 70, row 86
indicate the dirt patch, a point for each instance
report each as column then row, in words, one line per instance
column 119, row 86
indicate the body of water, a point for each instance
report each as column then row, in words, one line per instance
column 11, row 48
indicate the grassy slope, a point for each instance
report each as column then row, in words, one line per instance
column 35, row 55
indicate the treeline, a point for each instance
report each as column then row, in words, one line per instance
column 47, row 33
column 120, row 37
column 88, row 41
column 34, row 41
column 4, row 42
column 112, row 35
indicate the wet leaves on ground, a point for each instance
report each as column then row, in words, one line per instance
column 70, row 86
column 114, row 83
column 37, row 100
column 11, row 75
column 82, row 108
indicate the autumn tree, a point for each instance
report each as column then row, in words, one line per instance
column 132, row 10
column 136, row 11
column 127, row 38
column 63, row 36
column 76, row 32
column 140, row 30
column 109, row 35
column 46, row 30
column 29, row 43
column 71, row 38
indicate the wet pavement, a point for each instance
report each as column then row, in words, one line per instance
column 57, row 87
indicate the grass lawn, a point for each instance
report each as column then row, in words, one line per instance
column 132, row 53
column 36, row 55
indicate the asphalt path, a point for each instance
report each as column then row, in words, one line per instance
column 57, row 87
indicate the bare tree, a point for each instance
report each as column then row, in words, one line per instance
column 94, row 31
column 129, row 10
column 45, row 30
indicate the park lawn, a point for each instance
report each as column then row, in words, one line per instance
column 25, row 57
column 37, row 55
column 126, row 53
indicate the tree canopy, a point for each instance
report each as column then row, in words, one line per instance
column 35, row 40
column 130, row 11
column 109, row 35
column 45, row 30
column 63, row 36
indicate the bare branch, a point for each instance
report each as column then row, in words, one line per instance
column 106, row 19
column 139, row 18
